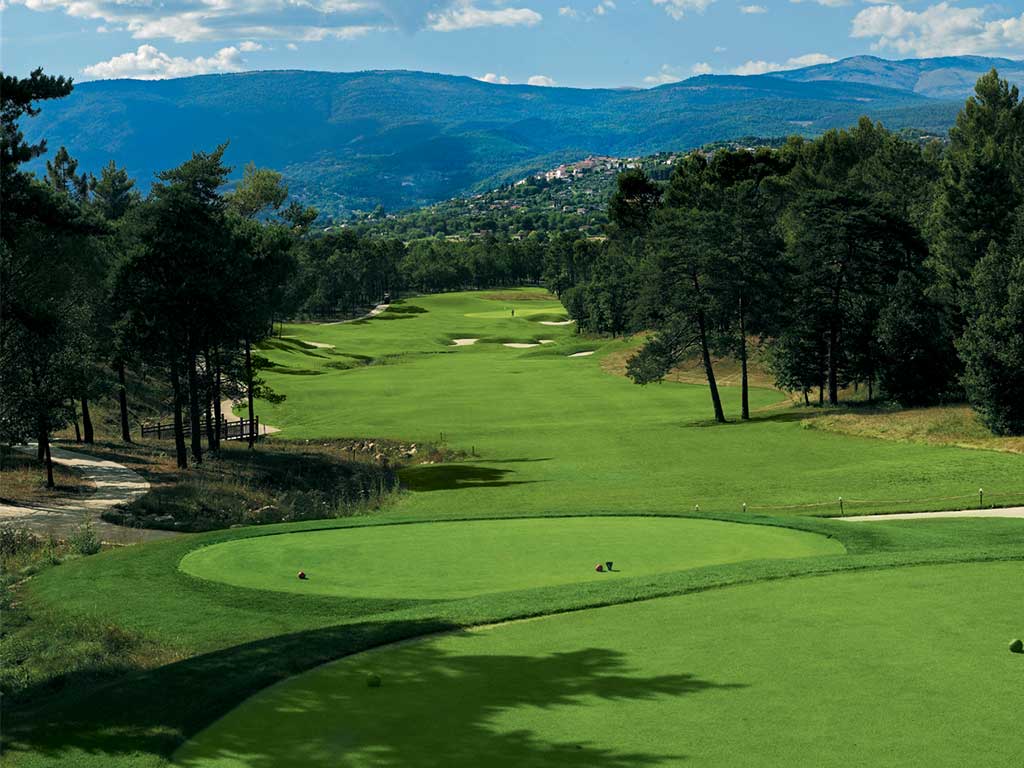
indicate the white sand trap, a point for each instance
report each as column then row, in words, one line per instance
column 318, row 344
column 557, row 322
column 546, row 341
column 998, row 512
column 464, row 342
column 519, row 345
column 588, row 353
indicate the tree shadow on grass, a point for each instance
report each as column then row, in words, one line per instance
column 447, row 477
column 434, row 708
column 440, row 709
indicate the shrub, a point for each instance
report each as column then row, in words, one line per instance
column 84, row 540
column 1017, row 646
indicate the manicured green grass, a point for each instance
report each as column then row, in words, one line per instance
column 548, row 438
column 558, row 434
column 445, row 560
column 899, row 668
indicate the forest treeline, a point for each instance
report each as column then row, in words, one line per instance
column 858, row 257
column 855, row 258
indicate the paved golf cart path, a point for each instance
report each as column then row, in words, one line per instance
column 372, row 313
column 1004, row 512
column 114, row 483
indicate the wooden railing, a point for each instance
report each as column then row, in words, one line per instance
column 229, row 430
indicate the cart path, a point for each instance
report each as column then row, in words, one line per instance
column 1003, row 512
column 372, row 313
column 115, row 485
column 228, row 407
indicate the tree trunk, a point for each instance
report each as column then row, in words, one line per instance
column 217, row 415
column 49, row 459
column 705, row 353
column 86, row 422
column 744, row 388
column 122, row 402
column 74, row 420
column 807, row 400
column 249, row 395
column 179, row 428
column 193, row 408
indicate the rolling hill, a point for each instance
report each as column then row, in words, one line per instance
column 351, row 140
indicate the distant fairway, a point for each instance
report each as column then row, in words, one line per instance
column 446, row 560
column 558, row 434
column 904, row 667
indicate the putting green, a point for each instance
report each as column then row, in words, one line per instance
column 456, row 559
column 898, row 668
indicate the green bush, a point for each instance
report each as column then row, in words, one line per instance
column 84, row 540
column 1017, row 646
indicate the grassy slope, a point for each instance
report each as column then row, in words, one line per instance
column 559, row 434
column 703, row 678
column 235, row 641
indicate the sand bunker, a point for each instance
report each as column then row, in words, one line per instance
column 582, row 354
column 464, row 342
column 318, row 344
column 546, row 341
column 557, row 322
column 519, row 345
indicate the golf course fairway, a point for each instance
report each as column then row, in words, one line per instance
column 446, row 560
column 895, row 667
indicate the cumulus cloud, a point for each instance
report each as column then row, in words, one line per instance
column 247, row 46
column 677, row 9
column 757, row 67
column 604, row 7
column 149, row 63
column 753, row 9
column 568, row 11
column 701, row 68
column 464, row 16
column 542, row 80
column 826, row 3
column 939, row 30
column 494, row 79
column 262, row 20
column 665, row 75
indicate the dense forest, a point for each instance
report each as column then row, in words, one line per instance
column 862, row 256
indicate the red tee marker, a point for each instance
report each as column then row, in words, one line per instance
column 599, row 568
column 302, row 575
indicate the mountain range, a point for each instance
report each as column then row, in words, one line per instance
column 352, row 140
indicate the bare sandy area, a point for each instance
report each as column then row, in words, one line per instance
column 546, row 341
column 519, row 345
column 557, row 322
column 588, row 353
column 1004, row 512
column 463, row 342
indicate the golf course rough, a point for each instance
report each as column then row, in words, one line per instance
column 458, row 559
column 897, row 667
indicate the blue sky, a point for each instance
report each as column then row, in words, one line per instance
column 566, row 42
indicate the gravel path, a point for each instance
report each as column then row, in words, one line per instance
column 115, row 485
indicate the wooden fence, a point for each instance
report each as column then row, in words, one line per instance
column 229, row 430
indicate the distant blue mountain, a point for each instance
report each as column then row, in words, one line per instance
column 355, row 139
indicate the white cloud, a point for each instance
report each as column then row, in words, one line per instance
column 542, row 80
column 753, row 9
column 665, row 75
column 197, row 20
column 569, row 11
column 463, row 16
column 247, row 46
column 759, row 67
column 720, row 49
column 826, row 3
column 701, row 68
column 292, row 47
column 939, row 30
column 603, row 7
column 494, row 79
column 148, row 63
column 678, row 8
